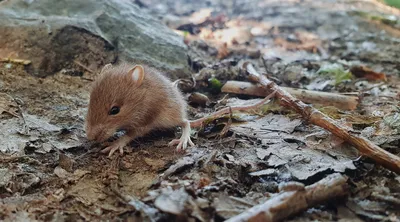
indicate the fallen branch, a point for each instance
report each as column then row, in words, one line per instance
column 294, row 199
column 366, row 147
column 307, row 96
column 199, row 122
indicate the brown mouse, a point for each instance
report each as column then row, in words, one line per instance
column 136, row 99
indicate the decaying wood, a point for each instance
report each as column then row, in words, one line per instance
column 313, row 97
column 313, row 116
column 199, row 122
column 289, row 203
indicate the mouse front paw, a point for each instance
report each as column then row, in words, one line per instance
column 114, row 147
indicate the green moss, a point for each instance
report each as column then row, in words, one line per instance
column 215, row 84
column 393, row 3
column 336, row 71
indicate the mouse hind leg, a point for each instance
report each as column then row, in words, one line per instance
column 183, row 142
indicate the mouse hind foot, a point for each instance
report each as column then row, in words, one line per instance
column 183, row 142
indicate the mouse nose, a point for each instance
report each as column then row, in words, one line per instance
column 92, row 134
column 96, row 135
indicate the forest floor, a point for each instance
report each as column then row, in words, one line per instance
column 350, row 48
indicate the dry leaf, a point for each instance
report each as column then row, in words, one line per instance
column 223, row 51
column 172, row 202
column 365, row 72
column 284, row 147
column 8, row 105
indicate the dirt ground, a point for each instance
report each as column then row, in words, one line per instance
column 48, row 172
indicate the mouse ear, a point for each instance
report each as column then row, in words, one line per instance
column 137, row 74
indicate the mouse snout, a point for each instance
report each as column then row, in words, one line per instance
column 90, row 135
column 94, row 134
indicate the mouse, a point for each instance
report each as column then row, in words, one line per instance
column 136, row 99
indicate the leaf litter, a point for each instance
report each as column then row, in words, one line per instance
column 45, row 161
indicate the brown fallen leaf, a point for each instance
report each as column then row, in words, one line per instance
column 65, row 162
column 233, row 35
column 312, row 46
column 223, row 51
column 87, row 191
column 154, row 163
column 200, row 16
column 204, row 181
column 8, row 105
column 367, row 73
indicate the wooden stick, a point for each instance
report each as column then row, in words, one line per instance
column 16, row 61
column 199, row 122
column 313, row 97
column 83, row 66
column 312, row 115
column 292, row 202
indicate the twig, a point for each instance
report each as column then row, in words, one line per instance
column 83, row 66
column 289, row 203
column 372, row 87
column 199, row 122
column 307, row 96
column 366, row 147
column 16, row 61
column 226, row 128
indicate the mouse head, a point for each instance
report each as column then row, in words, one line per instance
column 114, row 100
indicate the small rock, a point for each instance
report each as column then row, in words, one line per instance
column 88, row 33
column 230, row 157
column 172, row 202
column 261, row 153
column 199, row 98
column 61, row 173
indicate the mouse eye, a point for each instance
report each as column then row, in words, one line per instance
column 114, row 110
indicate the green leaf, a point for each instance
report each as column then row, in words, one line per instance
column 336, row 71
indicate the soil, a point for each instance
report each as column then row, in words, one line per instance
column 49, row 172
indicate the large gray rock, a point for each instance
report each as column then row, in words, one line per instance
column 63, row 33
